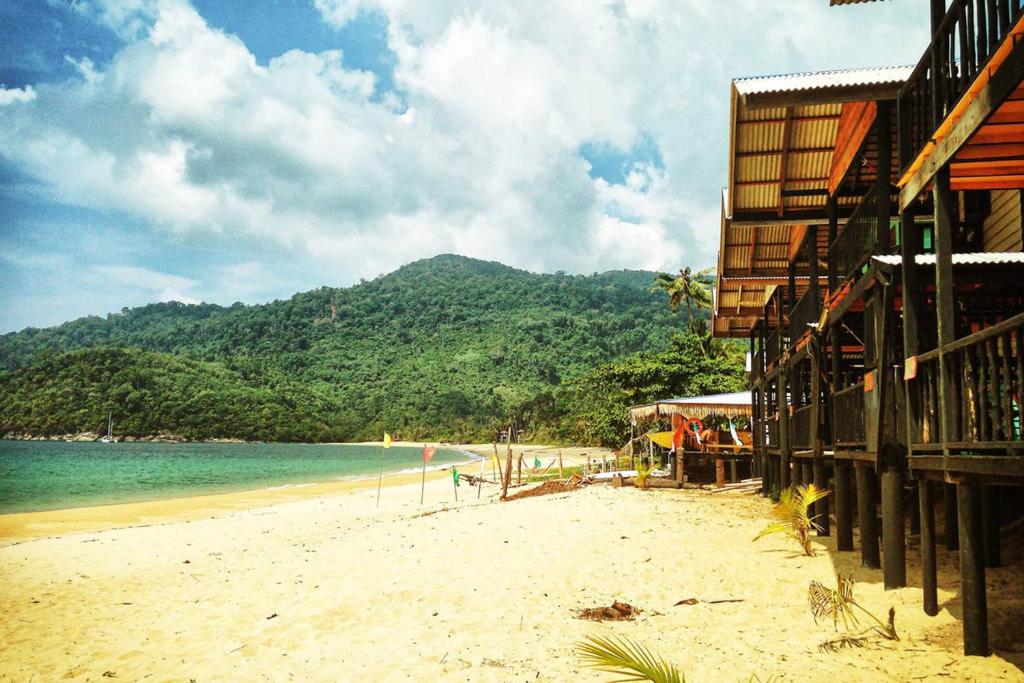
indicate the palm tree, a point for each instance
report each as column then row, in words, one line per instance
column 689, row 289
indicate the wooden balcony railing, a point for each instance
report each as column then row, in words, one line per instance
column 800, row 429
column 773, row 346
column 966, row 39
column 848, row 416
column 986, row 378
column 856, row 243
column 804, row 313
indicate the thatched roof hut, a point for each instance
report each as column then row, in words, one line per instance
column 732, row 405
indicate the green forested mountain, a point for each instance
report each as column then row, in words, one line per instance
column 153, row 393
column 443, row 348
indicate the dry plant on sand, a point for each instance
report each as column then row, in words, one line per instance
column 792, row 517
column 838, row 603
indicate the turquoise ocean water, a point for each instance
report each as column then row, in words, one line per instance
column 49, row 475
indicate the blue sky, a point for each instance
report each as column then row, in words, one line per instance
column 227, row 151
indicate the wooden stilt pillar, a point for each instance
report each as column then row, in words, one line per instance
column 990, row 523
column 972, row 570
column 868, row 518
column 915, row 513
column 894, row 566
column 844, row 505
column 949, row 528
column 821, row 511
column 929, row 581
column 782, row 402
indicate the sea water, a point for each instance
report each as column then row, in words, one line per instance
column 48, row 475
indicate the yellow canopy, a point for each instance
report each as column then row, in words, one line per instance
column 663, row 439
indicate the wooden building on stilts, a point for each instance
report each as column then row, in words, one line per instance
column 871, row 252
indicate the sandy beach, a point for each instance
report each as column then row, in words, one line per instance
column 318, row 584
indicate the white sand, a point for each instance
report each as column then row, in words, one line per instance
column 484, row 591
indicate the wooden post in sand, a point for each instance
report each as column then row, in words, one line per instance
column 506, row 476
column 519, row 470
column 480, row 480
column 560, row 475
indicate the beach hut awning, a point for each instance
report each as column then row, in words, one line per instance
column 795, row 140
column 734, row 404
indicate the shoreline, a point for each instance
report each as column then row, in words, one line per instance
column 17, row 527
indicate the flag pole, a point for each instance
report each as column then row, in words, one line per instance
column 380, row 474
column 386, row 443
column 423, row 482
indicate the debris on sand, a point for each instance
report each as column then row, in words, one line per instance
column 549, row 487
column 619, row 611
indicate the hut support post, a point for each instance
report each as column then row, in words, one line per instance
column 972, row 570
column 990, row 523
column 894, row 568
column 844, row 506
column 867, row 517
column 929, row 581
column 781, row 403
column 949, row 505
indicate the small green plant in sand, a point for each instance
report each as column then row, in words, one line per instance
column 627, row 658
column 838, row 604
column 643, row 473
column 792, row 516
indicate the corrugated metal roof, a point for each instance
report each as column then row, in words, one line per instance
column 822, row 80
column 972, row 259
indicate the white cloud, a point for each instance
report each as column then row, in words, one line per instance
column 160, row 286
column 479, row 154
column 12, row 95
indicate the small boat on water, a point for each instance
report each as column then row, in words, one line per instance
column 109, row 436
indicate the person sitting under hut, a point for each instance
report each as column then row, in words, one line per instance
column 707, row 437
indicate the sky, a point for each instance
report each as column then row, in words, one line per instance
column 229, row 150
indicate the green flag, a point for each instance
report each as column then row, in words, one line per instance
column 455, row 476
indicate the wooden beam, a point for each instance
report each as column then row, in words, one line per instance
column 990, row 151
column 776, row 152
column 797, row 119
column 832, row 95
column 990, row 89
column 854, row 125
column 991, row 465
column 787, row 131
column 943, row 241
column 992, row 167
column 796, row 241
column 999, row 182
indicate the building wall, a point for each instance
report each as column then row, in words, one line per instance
column 1002, row 228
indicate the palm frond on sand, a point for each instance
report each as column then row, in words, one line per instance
column 838, row 604
column 626, row 658
column 792, row 516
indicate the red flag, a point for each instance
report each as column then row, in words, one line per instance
column 678, row 431
column 428, row 453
